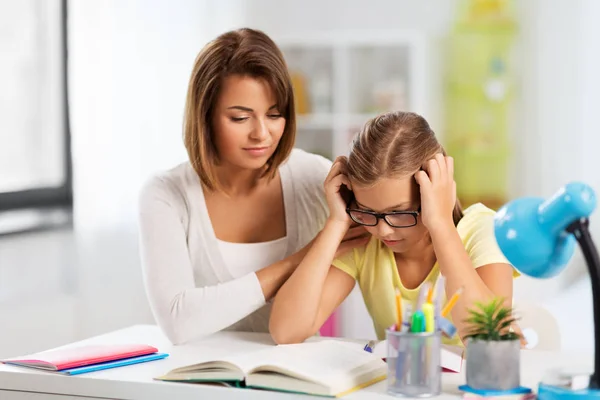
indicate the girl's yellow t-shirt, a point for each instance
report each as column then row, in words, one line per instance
column 374, row 267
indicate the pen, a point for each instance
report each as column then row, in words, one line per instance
column 418, row 322
column 429, row 317
column 416, row 344
column 451, row 302
column 369, row 346
column 422, row 294
column 439, row 294
column 428, row 311
column 407, row 317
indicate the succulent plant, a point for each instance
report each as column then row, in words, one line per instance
column 491, row 322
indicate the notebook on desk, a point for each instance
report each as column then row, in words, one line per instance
column 82, row 359
column 325, row 368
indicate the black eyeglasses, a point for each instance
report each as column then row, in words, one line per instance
column 395, row 219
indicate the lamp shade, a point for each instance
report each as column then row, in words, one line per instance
column 531, row 231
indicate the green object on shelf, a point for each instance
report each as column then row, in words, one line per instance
column 478, row 94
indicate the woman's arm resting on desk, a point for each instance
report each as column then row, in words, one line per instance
column 182, row 310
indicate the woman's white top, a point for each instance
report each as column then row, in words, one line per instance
column 244, row 258
column 198, row 285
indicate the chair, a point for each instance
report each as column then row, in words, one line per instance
column 539, row 327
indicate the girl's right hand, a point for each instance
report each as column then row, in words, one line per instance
column 335, row 179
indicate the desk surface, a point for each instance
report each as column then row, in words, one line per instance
column 135, row 382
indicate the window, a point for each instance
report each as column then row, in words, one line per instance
column 35, row 168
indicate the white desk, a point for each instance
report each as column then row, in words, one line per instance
column 135, row 382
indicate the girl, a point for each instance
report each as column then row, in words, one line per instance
column 219, row 234
column 404, row 195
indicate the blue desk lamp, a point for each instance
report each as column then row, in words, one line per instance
column 538, row 237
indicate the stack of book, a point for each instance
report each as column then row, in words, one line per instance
column 83, row 359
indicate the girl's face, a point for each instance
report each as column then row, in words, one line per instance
column 388, row 195
column 246, row 122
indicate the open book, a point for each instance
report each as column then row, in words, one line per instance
column 326, row 368
column 450, row 358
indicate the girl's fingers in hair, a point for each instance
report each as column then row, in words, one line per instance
column 334, row 171
column 433, row 170
column 441, row 163
column 450, row 167
column 343, row 161
column 338, row 166
column 422, row 179
column 338, row 181
column 345, row 179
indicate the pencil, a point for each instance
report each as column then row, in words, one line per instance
column 451, row 302
column 399, row 309
column 430, row 294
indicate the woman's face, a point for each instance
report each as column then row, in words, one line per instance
column 246, row 122
column 387, row 195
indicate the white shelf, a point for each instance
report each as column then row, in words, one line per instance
column 346, row 78
column 356, row 120
column 315, row 121
column 332, row 121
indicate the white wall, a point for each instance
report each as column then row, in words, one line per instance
column 130, row 62
column 560, row 101
column 128, row 69
column 573, row 307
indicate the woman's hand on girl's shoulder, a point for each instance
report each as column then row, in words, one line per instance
column 356, row 236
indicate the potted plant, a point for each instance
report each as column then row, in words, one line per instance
column 493, row 350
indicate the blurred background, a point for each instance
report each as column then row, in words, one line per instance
column 91, row 104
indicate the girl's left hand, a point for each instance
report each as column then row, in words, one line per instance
column 438, row 192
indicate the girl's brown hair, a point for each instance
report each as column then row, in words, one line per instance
column 245, row 52
column 394, row 144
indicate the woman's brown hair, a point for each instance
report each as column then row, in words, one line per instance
column 391, row 145
column 245, row 52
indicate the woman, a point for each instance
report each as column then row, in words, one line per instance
column 221, row 233
column 405, row 195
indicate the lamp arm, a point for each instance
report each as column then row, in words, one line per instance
column 580, row 230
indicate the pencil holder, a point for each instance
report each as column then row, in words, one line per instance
column 414, row 368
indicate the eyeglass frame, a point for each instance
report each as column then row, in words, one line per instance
column 382, row 216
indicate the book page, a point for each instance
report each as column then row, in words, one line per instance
column 451, row 356
column 326, row 362
column 240, row 362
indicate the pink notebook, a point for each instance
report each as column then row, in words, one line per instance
column 58, row 360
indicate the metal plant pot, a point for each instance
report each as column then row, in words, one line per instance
column 493, row 365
